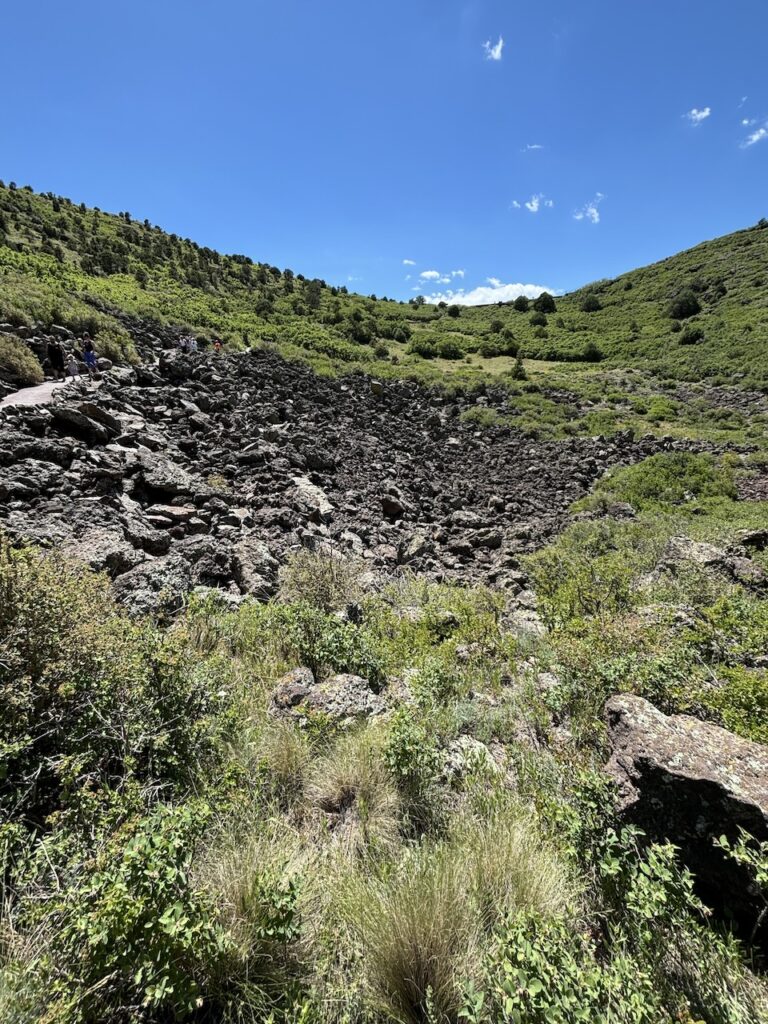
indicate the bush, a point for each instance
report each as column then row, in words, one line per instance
column 591, row 353
column 18, row 363
column 692, row 335
column 424, row 347
column 454, row 311
column 129, row 930
column 325, row 644
column 323, row 579
column 538, row 319
column 496, row 326
column 670, row 479
column 449, row 349
column 521, row 304
column 87, row 697
column 545, row 303
column 590, row 303
column 684, row 305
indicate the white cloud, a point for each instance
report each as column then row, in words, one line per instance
column 445, row 280
column 458, row 273
column 493, row 52
column 747, row 122
column 534, row 204
column 696, row 116
column 531, row 146
column 756, row 136
column 743, row 101
column 408, row 277
column 493, row 291
column 589, row 211
column 409, row 263
column 431, row 275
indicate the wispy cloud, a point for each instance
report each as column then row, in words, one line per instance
column 494, row 52
column 534, row 204
column 531, row 146
column 590, row 210
column 458, row 273
column 494, row 290
column 696, row 116
column 430, row 275
column 742, row 102
column 757, row 136
column 409, row 263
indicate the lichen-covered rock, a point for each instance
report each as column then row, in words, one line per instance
column 342, row 698
column 690, row 782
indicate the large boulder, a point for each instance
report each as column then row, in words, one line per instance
column 254, row 568
column 690, row 782
column 162, row 478
column 158, row 586
column 104, row 549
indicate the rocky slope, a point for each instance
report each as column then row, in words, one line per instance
column 206, row 471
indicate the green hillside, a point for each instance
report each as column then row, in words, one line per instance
column 702, row 314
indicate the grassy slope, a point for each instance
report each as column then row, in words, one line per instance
column 57, row 256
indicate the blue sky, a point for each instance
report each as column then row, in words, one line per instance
column 341, row 139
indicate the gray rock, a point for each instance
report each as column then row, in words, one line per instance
column 104, row 549
column 342, row 698
column 311, row 500
column 254, row 568
column 690, row 782
column 157, row 586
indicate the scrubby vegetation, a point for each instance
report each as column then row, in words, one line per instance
column 173, row 849
column 175, row 846
column 699, row 315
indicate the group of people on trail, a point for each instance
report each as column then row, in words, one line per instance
column 188, row 344
column 67, row 364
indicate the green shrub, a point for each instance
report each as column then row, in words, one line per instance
column 740, row 701
column 538, row 319
column 590, row 303
column 545, row 303
column 670, row 479
column 325, row 579
column 89, row 698
column 684, row 305
column 129, row 931
column 325, row 644
column 447, row 348
column 19, row 363
column 692, row 335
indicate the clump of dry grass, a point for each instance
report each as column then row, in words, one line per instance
column 351, row 786
column 422, row 929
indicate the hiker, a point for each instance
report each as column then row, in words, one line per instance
column 183, row 344
column 217, row 346
column 73, row 367
column 89, row 354
column 193, row 344
column 56, row 359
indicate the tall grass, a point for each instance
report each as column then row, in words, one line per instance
column 421, row 928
